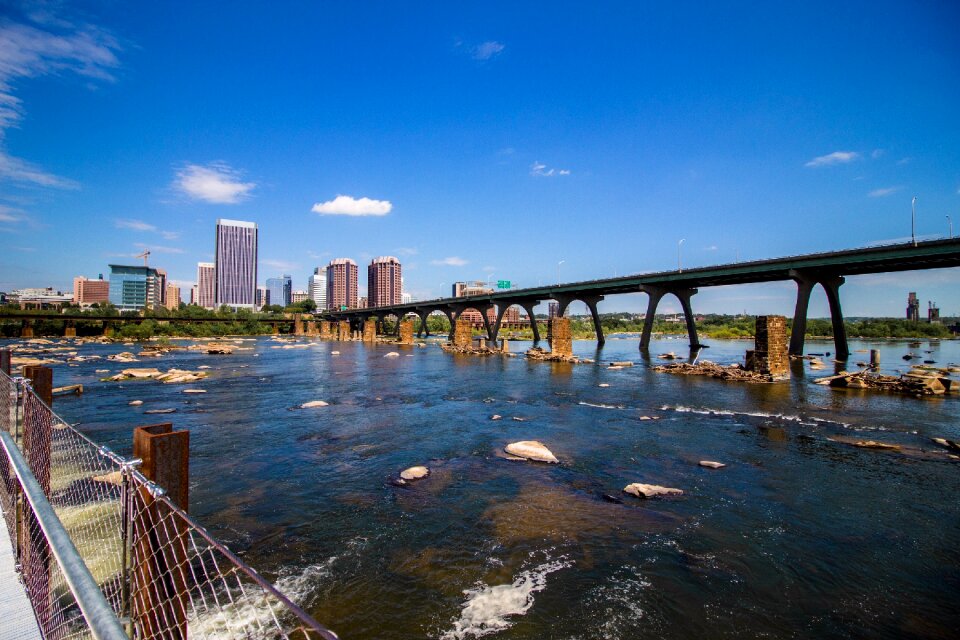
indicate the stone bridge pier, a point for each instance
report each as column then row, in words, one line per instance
column 591, row 302
column 70, row 329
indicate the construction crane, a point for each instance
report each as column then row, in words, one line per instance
column 144, row 255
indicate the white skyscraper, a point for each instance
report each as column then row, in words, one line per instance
column 317, row 287
column 205, row 285
column 236, row 264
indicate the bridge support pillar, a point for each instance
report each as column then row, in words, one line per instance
column 462, row 334
column 597, row 327
column 70, row 329
column 528, row 307
column 369, row 330
column 107, row 330
column 406, row 332
column 297, row 324
column 423, row 329
column 656, row 294
column 343, row 330
column 325, row 329
column 26, row 329
column 831, row 285
column 684, row 296
column 561, row 342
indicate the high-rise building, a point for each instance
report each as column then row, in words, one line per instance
column 279, row 290
column 87, row 291
column 317, row 287
column 206, row 279
column 553, row 309
column 475, row 288
column 133, row 288
column 406, row 298
column 342, row 284
column 913, row 307
column 162, row 286
column 173, row 297
column 362, row 303
column 384, row 282
column 933, row 312
column 262, row 297
column 194, row 294
column 235, row 273
column 298, row 296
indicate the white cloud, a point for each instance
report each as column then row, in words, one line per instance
column 350, row 206
column 886, row 191
column 837, row 157
column 19, row 170
column 452, row 261
column 903, row 161
column 170, row 235
column 136, row 225
column 280, row 265
column 9, row 214
column 405, row 251
column 216, row 183
column 156, row 249
column 876, row 153
column 487, row 50
column 712, row 247
column 28, row 51
column 540, row 169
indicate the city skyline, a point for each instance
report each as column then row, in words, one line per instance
column 483, row 149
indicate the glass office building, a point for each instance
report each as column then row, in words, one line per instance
column 279, row 290
column 134, row 288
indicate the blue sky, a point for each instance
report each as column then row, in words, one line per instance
column 489, row 140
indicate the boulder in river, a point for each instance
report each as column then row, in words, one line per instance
column 949, row 444
column 710, row 464
column 496, row 416
column 314, row 404
column 531, row 450
column 650, row 490
column 135, row 403
column 415, row 473
column 392, row 354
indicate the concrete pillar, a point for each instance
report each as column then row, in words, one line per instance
column 874, row 358
column 528, row 307
column 343, row 330
column 311, row 328
column 297, row 324
column 656, row 294
column 798, row 332
column 770, row 354
column 26, row 329
column 107, row 330
column 562, row 340
column 423, row 329
column 684, row 295
column 70, row 329
column 275, row 329
column 832, row 287
column 504, row 345
column 462, row 334
column 597, row 327
column 370, row 330
column 406, row 332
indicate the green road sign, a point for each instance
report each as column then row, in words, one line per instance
column 503, row 284
column 343, row 307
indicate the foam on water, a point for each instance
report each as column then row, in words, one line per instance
column 488, row 608
column 601, row 406
column 753, row 414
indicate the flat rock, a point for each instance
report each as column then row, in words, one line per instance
column 949, row 444
column 873, row 444
column 313, row 404
column 650, row 490
column 415, row 473
column 496, row 416
column 194, row 390
column 392, row 354
column 160, row 411
column 710, row 464
column 135, row 403
column 531, row 450
column 603, row 385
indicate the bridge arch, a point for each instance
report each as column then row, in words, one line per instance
column 656, row 294
column 526, row 305
column 591, row 301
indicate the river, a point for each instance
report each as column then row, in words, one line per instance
column 798, row 536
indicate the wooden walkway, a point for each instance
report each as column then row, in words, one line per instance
column 17, row 621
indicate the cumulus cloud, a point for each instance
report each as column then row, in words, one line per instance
column 452, row 261
column 882, row 193
column 35, row 48
column 837, row 157
column 406, row 251
column 216, row 182
column 540, row 169
column 487, row 50
column 350, row 206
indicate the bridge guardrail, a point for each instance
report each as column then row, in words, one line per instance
column 162, row 574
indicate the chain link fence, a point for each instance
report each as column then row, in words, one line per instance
column 164, row 576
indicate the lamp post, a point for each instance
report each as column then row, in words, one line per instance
column 558, row 270
column 913, row 220
column 950, row 225
column 679, row 267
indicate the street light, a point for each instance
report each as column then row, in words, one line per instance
column 913, row 220
column 950, row 224
column 558, row 270
column 679, row 267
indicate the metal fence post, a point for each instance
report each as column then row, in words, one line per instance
column 5, row 360
column 158, row 543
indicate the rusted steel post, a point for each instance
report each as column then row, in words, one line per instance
column 37, row 434
column 5, row 360
column 159, row 539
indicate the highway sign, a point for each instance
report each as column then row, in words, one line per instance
column 503, row 284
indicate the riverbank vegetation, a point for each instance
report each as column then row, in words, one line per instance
column 224, row 321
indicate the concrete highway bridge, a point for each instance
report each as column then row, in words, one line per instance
column 826, row 269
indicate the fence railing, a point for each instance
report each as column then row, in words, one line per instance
column 162, row 574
